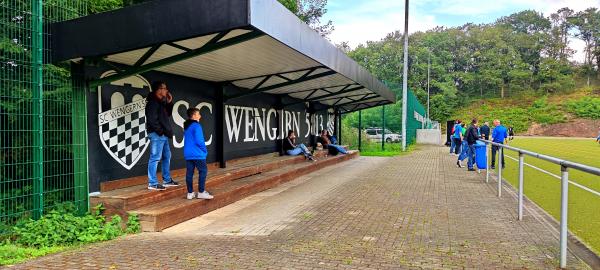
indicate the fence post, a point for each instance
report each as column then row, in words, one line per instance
column 383, row 129
column 500, row 155
column 38, row 106
column 521, row 164
column 360, row 130
column 564, row 206
column 487, row 164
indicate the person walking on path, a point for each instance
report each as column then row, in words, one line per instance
column 485, row 131
column 457, row 137
column 159, row 105
column 471, row 137
column 452, row 145
column 598, row 138
column 499, row 135
column 195, row 152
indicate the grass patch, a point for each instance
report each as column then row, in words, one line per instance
column 372, row 149
column 543, row 189
column 13, row 254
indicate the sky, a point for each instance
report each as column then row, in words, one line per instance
column 358, row 21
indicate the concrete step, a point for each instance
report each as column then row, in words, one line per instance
column 143, row 179
column 121, row 200
column 164, row 214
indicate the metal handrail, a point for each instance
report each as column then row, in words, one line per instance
column 564, row 190
column 558, row 161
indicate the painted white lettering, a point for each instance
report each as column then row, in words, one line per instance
column 260, row 123
column 307, row 121
column 296, row 122
column 233, row 126
column 272, row 131
column 249, row 112
column 209, row 106
column 178, row 121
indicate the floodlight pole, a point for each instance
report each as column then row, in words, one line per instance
column 428, row 72
column 404, row 77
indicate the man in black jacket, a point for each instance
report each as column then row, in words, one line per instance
column 471, row 137
column 485, row 131
column 159, row 105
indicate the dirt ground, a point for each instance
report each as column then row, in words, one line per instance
column 573, row 128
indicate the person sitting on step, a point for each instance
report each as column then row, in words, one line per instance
column 291, row 148
column 195, row 152
column 331, row 147
column 332, row 138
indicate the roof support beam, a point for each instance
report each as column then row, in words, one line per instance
column 355, row 108
column 304, row 78
column 327, row 96
column 146, row 55
column 350, row 97
column 308, row 70
column 367, row 97
column 319, row 88
column 175, row 45
column 213, row 45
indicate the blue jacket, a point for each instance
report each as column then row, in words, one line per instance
column 457, row 131
column 499, row 134
column 194, row 146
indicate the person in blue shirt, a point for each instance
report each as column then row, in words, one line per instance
column 499, row 135
column 452, row 145
column 457, row 137
column 195, row 152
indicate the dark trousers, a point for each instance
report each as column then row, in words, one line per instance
column 191, row 165
column 494, row 150
column 458, row 144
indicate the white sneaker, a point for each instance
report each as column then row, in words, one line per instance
column 190, row 196
column 205, row 195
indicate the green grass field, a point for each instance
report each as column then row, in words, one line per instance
column 543, row 189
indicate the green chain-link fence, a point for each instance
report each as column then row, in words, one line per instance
column 382, row 126
column 42, row 114
column 415, row 118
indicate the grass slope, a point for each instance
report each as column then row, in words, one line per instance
column 523, row 111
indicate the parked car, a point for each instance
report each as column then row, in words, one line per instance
column 374, row 134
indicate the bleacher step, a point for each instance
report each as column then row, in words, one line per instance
column 121, row 200
column 158, row 216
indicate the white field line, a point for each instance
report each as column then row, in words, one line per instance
column 558, row 177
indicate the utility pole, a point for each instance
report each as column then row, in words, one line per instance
column 428, row 72
column 404, row 77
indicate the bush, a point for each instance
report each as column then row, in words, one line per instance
column 587, row 107
column 60, row 228
column 545, row 114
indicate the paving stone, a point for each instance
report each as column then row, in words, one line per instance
column 412, row 212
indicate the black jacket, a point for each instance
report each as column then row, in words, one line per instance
column 471, row 135
column 485, row 132
column 157, row 116
column 287, row 145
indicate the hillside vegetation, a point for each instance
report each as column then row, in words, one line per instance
column 524, row 112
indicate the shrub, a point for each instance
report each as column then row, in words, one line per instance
column 587, row 107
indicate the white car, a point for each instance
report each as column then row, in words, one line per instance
column 374, row 134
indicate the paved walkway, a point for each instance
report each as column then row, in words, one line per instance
column 416, row 211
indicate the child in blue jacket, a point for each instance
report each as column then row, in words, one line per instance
column 195, row 152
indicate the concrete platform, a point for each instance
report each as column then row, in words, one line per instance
column 411, row 212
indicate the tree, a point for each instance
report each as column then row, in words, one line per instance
column 587, row 23
column 310, row 12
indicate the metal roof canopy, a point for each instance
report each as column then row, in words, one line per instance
column 257, row 45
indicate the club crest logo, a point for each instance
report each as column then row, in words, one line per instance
column 122, row 118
